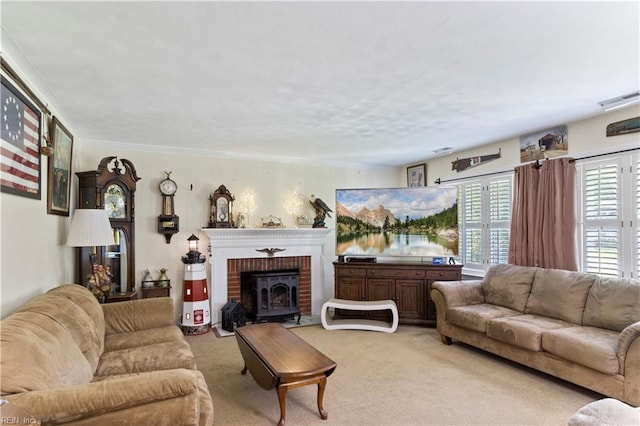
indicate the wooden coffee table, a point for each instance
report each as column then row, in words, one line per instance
column 277, row 358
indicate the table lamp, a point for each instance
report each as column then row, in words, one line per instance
column 90, row 228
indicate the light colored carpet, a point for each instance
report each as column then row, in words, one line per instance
column 405, row 378
column 290, row 323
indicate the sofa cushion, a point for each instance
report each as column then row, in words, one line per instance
column 38, row 353
column 74, row 318
column 159, row 356
column 83, row 297
column 589, row 346
column 475, row 317
column 524, row 331
column 613, row 303
column 559, row 294
column 508, row 285
column 115, row 342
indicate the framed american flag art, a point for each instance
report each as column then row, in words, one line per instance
column 59, row 176
column 20, row 145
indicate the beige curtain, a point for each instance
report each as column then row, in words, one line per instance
column 543, row 221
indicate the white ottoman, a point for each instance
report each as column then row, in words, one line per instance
column 356, row 323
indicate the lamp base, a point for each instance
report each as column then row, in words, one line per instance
column 188, row 330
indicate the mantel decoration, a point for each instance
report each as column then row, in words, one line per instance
column 221, row 208
column 59, row 176
column 322, row 211
column 272, row 221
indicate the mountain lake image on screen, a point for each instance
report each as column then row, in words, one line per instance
column 414, row 222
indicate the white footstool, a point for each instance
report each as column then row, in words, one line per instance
column 356, row 323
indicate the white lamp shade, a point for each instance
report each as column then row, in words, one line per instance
column 90, row 227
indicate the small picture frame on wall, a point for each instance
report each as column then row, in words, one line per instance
column 417, row 175
column 59, row 176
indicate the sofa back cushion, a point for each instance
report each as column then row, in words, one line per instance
column 613, row 303
column 560, row 294
column 508, row 285
column 83, row 297
column 74, row 318
column 38, row 353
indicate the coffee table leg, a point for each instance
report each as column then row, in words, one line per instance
column 322, row 383
column 244, row 370
column 282, row 399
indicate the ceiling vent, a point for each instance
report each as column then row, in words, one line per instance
column 620, row 101
column 442, row 150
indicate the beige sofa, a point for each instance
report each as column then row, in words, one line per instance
column 578, row 327
column 67, row 359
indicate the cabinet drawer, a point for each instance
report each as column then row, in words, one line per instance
column 442, row 274
column 396, row 273
column 351, row 272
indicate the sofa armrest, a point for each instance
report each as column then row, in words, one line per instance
column 459, row 293
column 140, row 314
column 625, row 339
column 120, row 393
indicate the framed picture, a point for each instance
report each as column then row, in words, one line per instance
column 20, row 132
column 547, row 143
column 59, row 177
column 417, row 175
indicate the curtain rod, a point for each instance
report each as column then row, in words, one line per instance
column 11, row 72
column 439, row 181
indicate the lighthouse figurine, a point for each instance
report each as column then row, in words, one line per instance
column 196, row 318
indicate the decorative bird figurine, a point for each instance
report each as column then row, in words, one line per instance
column 322, row 210
column 270, row 251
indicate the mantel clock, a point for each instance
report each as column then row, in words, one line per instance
column 220, row 210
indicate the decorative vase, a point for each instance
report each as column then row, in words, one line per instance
column 163, row 279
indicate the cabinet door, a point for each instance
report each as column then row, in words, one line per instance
column 410, row 299
column 350, row 288
column 381, row 289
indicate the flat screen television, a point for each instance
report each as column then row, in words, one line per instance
column 413, row 222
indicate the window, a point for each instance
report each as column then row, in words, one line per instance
column 608, row 211
column 484, row 208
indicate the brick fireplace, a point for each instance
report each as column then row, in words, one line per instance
column 234, row 250
column 236, row 267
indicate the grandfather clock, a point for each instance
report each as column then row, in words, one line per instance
column 112, row 187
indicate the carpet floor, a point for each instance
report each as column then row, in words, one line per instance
column 405, row 378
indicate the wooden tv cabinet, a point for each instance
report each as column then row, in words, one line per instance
column 406, row 283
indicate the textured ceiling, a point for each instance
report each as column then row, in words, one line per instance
column 378, row 83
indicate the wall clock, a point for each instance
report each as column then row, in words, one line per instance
column 221, row 208
column 168, row 222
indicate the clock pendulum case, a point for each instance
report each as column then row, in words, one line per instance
column 168, row 222
column 111, row 187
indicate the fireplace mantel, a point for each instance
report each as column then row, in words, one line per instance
column 231, row 243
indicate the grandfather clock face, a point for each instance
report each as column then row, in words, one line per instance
column 115, row 202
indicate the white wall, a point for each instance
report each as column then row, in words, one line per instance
column 586, row 137
column 269, row 181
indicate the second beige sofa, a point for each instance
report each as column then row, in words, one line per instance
column 579, row 327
